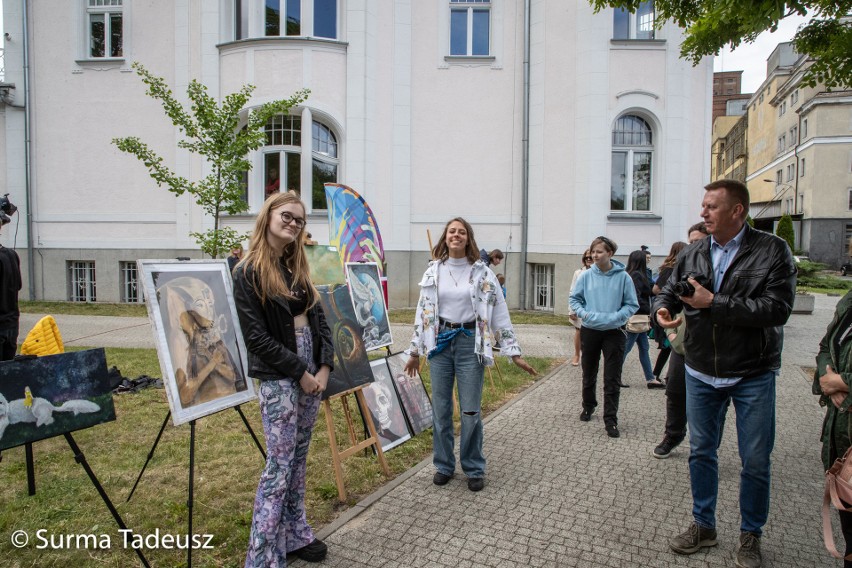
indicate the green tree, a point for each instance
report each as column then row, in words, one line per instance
column 211, row 130
column 785, row 231
column 712, row 24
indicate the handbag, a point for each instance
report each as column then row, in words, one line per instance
column 838, row 489
column 639, row 323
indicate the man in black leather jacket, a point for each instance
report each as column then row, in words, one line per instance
column 744, row 282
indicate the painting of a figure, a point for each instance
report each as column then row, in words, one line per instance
column 199, row 343
column 368, row 302
column 351, row 366
column 385, row 407
column 47, row 396
column 415, row 400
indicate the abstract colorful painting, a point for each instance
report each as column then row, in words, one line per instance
column 352, row 227
column 42, row 397
column 351, row 366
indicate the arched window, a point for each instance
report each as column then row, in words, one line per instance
column 282, row 158
column 632, row 159
column 325, row 162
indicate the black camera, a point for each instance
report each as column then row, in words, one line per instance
column 684, row 288
column 7, row 208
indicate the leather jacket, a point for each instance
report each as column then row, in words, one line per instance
column 742, row 332
column 270, row 335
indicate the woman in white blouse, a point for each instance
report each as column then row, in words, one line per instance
column 460, row 315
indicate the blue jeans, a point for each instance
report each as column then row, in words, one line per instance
column 457, row 362
column 754, row 402
column 644, row 357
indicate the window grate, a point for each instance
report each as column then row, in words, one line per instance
column 129, row 282
column 542, row 275
column 81, row 281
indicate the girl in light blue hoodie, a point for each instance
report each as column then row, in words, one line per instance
column 604, row 298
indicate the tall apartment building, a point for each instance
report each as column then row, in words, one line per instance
column 728, row 98
column 428, row 109
column 800, row 157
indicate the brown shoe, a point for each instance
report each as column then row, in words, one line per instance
column 748, row 552
column 693, row 539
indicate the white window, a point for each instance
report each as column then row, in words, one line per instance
column 129, row 292
column 284, row 164
column 788, row 205
column 324, row 163
column 542, row 275
column 782, row 108
column 794, row 132
column 81, row 281
column 779, row 177
column 241, row 18
column 791, row 169
column 632, row 157
column 804, row 129
column 284, row 18
column 470, row 27
column 105, row 28
column 801, row 202
column 638, row 25
column 802, row 168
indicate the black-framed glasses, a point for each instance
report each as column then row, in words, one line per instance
column 287, row 218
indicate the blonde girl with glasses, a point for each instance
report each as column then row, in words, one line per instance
column 291, row 353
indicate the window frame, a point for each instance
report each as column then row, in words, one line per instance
column 468, row 7
column 542, row 276
column 107, row 9
column 130, row 289
column 87, row 270
column 633, row 23
column 630, row 150
column 305, row 19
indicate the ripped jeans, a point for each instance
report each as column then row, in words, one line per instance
column 457, row 362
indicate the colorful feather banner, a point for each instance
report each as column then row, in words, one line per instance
column 352, row 227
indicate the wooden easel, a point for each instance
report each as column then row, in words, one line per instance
column 373, row 440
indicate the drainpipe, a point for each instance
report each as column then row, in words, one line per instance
column 28, row 153
column 525, row 167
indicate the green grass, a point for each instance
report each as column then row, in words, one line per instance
column 228, row 466
column 84, row 309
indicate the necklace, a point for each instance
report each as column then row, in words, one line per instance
column 453, row 276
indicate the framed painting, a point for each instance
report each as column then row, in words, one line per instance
column 324, row 262
column 385, row 407
column 351, row 366
column 199, row 342
column 368, row 303
column 415, row 399
column 42, row 397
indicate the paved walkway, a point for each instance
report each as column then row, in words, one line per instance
column 559, row 492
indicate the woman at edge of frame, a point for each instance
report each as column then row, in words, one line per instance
column 459, row 314
column 832, row 379
column 291, row 353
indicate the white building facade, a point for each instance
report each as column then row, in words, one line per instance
column 542, row 123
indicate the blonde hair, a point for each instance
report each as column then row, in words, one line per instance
column 471, row 251
column 268, row 279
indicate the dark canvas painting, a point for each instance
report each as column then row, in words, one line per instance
column 415, row 400
column 48, row 396
column 385, row 407
column 351, row 367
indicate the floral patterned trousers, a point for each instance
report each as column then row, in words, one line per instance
column 279, row 524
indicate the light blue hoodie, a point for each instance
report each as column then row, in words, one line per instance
column 604, row 300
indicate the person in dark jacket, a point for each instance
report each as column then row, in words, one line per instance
column 736, row 291
column 831, row 383
column 636, row 268
column 10, row 285
column 290, row 351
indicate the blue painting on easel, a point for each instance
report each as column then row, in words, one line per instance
column 47, row 396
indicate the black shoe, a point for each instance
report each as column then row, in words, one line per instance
column 586, row 415
column 665, row 448
column 655, row 384
column 441, row 478
column 624, row 385
column 314, row 552
column 475, row 483
column 612, row 431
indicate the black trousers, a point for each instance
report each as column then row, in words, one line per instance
column 8, row 343
column 676, row 398
column 610, row 343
